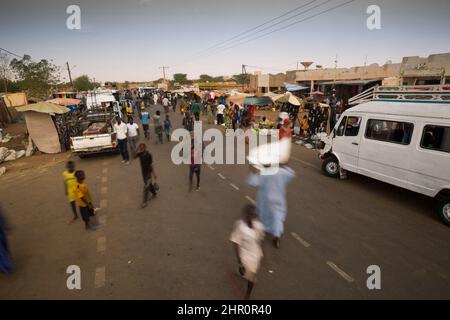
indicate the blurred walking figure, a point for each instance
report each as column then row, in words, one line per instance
column 70, row 187
column 247, row 236
column 84, row 201
column 196, row 109
column 133, row 134
column 195, row 168
column 165, row 103
column 5, row 257
column 145, row 119
column 271, row 199
column 158, row 126
column 155, row 98
column 121, row 129
column 148, row 172
column 167, row 127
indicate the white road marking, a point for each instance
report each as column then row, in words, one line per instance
column 104, row 190
column 105, row 170
column 102, row 220
column 103, row 203
column 104, row 179
column 234, row 186
column 211, row 167
column 340, row 271
column 299, row 239
column 100, row 277
column 101, row 244
column 105, row 163
column 304, row 162
column 250, row 199
column 221, row 175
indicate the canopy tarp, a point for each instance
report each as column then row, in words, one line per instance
column 237, row 97
column 43, row 131
column 349, row 82
column 294, row 87
column 258, row 101
column 65, row 101
column 288, row 97
column 44, row 107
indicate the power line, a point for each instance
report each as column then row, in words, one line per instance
column 263, row 24
column 254, row 28
column 284, row 20
column 11, row 53
column 291, row 24
column 283, row 27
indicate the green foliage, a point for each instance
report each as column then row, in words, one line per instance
column 82, row 83
column 36, row 78
column 181, row 78
column 241, row 78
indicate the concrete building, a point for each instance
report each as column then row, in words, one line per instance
column 434, row 69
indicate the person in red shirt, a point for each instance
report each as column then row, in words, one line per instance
column 285, row 130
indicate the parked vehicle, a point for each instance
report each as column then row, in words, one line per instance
column 402, row 142
column 97, row 136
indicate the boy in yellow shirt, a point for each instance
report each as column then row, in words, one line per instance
column 70, row 187
column 84, row 200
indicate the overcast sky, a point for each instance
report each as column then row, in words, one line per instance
column 130, row 40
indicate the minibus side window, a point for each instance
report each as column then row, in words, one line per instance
column 436, row 138
column 389, row 131
column 352, row 127
column 341, row 128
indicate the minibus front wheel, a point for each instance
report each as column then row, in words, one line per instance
column 330, row 167
column 443, row 209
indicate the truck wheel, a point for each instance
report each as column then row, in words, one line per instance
column 330, row 167
column 443, row 209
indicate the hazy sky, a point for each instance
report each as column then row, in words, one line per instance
column 129, row 40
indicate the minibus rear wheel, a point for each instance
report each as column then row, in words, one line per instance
column 331, row 167
column 443, row 208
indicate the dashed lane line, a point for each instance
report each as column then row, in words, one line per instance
column 234, row 186
column 104, row 179
column 102, row 220
column 105, row 170
column 101, row 244
column 340, row 271
column 211, row 167
column 221, row 176
column 100, row 277
column 103, row 203
column 299, row 239
column 104, row 190
column 251, row 200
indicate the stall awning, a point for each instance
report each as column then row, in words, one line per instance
column 294, row 87
column 43, row 107
column 349, row 82
column 258, row 101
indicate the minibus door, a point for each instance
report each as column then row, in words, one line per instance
column 346, row 142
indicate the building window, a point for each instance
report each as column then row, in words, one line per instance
column 389, row 131
column 349, row 126
column 436, row 138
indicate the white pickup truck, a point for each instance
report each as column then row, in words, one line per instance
column 91, row 142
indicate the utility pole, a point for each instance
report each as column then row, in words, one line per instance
column 164, row 71
column 70, row 76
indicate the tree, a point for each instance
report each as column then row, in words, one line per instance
column 5, row 70
column 35, row 77
column 181, row 78
column 206, row 78
column 218, row 79
column 82, row 83
column 241, row 78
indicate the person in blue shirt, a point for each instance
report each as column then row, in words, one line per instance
column 145, row 120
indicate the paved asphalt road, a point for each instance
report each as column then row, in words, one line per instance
column 178, row 247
